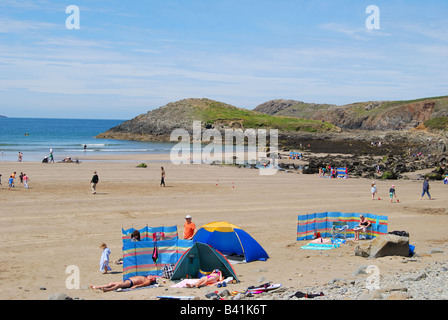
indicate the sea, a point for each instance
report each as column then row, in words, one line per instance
column 34, row 137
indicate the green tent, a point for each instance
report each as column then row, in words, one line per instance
column 201, row 257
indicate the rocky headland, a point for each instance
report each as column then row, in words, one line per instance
column 397, row 136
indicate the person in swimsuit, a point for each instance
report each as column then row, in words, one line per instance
column 132, row 282
column 363, row 225
column 214, row 277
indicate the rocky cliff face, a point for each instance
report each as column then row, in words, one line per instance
column 377, row 115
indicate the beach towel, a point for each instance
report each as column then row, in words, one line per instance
column 130, row 289
column 183, row 283
column 318, row 246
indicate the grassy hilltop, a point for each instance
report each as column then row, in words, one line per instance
column 157, row 125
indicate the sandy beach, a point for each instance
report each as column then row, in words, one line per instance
column 58, row 222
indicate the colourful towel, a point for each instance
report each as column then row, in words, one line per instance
column 183, row 283
column 318, row 246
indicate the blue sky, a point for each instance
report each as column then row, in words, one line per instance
column 129, row 57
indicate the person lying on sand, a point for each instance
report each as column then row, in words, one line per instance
column 214, row 277
column 132, row 282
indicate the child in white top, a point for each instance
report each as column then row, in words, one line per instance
column 104, row 261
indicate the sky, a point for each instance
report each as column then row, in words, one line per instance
column 125, row 58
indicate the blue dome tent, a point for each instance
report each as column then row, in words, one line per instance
column 230, row 239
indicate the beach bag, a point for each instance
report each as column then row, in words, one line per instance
column 168, row 271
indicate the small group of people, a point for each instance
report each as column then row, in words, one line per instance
column 332, row 171
column 295, row 155
column 24, row 179
column 392, row 191
column 142, row 281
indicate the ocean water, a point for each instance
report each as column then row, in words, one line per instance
column 35, row 137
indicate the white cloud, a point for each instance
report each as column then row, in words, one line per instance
column 13, row 26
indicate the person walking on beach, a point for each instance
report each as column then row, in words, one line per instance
column 104, row 261
column 373, row 190
column 189, row 228
column 13, row 176
column 162, row 178
column 51, row 156
column 10, row 182
column 426, row 188
column 25, row 181
column 94, row 181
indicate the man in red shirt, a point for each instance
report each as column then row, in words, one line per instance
column 189, row 228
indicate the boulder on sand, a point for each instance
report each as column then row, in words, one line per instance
column 384, row 245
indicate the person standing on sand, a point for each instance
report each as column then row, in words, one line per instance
column 392, row 193
column 94, row 182
column 162, row 178
column 373, row 190
column 426, row 188
column 189, row 228
column 104, row 261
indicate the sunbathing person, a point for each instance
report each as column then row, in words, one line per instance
column 132, row 282
column 214, row 277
